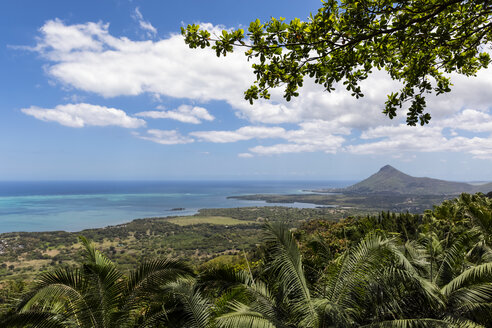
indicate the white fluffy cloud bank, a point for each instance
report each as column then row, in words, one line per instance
column 184, row 113
column 433, row 138
column 165, row 137
column 311, row 136
column 80, row 115
column 88, row 57
column 244, row 133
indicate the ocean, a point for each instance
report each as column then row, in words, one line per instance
column 78, row 205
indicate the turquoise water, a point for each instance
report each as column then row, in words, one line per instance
column 73, row 206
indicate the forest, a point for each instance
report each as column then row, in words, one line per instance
column 210, row 235
column 387, row 270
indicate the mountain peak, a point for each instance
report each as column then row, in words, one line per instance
column 390, row 180
column 387, row 168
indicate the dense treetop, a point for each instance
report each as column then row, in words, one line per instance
column 417, row 42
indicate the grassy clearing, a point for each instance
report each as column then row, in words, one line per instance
column 217, row 220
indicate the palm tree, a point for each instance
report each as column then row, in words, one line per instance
column 186, row 306
column 378, row 283
column 373, row 283
column 97, row 295
column 278, row 296
column 458, row 239
column 469, row 296
column 444, row 279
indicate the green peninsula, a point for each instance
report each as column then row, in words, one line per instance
column 388, row 189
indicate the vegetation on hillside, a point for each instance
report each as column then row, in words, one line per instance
column 199, row 238
column 390, row 180
column 389, row 270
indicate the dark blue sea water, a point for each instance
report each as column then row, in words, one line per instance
column 73, row 206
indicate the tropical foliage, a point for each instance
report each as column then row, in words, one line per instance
column 416, row 42
column 97, row 294
column 405, row 270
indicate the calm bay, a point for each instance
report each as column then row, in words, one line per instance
column 77, row 205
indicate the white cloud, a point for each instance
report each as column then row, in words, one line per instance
column 79, row 37
column 74, row 98
column 327, row 144
column 244, row 133
column 312, row 136
column 165, row 137
column 470, row 120
column 184, row 113
column 82, row 114
column 283, row 149
column 404, row 139
column 245, row 155
column 144, row 25
column 401, row 138
column 114, row 66
column 87, row 57
column 478, row 147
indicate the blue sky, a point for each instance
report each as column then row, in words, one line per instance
column 108, row 90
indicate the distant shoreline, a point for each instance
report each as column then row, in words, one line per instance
column 178, row 212
column 74, row 206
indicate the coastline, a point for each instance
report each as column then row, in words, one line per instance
column 74, row 206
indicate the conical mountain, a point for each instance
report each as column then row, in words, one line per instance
column 390, row 180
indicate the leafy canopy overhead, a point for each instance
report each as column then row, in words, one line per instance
column 418, row 42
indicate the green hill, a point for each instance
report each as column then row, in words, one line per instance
column 390, row 180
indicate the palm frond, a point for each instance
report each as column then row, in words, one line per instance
column 478, row 312
column 151, row 274
column 362, row 262
column 287, row 265
column 476, row 274
column 332, row 314
column 243, row 316
column 414, row 323
column 462, row 322
column 196, row 310
column 34, row 319
column 422, row 293
column 61, row 291
column 417, row 255
column 92, row 255
column 452, row 257
column 222, row 278
column 478, row 293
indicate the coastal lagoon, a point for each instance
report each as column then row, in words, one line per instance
column 77, row 205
